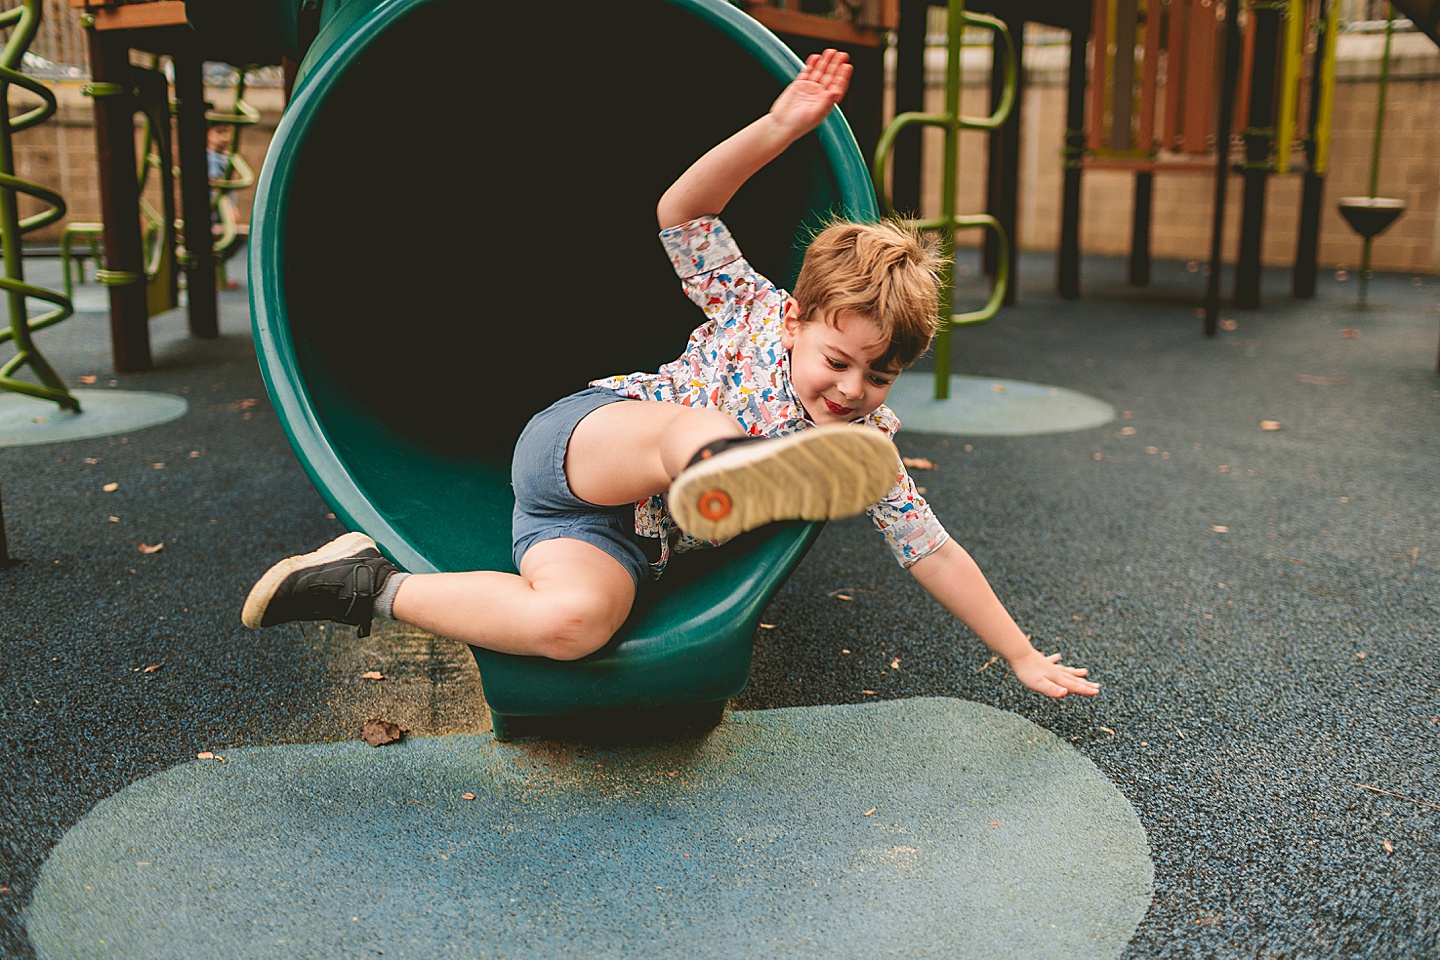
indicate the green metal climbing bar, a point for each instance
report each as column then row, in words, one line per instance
column 23, row 21
column 949, row 220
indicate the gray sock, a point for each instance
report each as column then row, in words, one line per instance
column 386, row 597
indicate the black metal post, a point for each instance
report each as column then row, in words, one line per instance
column 1259, row 134
column 905, row 156
column 1067, row 272
column 1003, row 176
column 190, row 130
column 112, row 89
column 1140, row 229
column 1307, row 244
column 1228, row 83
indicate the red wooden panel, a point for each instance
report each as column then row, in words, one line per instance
column 1099, row 72
column 1145, row 140
column 1200, row 77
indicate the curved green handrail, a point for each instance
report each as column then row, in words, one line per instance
column 24, row 21
column 949, row 221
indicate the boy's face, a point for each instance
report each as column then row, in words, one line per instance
column 831, row 364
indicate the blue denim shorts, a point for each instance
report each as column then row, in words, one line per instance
column 546, row 509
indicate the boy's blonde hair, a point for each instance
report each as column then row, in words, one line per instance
column 884, row 271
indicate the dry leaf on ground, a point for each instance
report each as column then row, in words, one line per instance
column 110, row 487
column 150, row 548
column 918, row 463
column 372, row 675
column 378, row 732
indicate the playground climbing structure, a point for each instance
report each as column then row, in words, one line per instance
column 22, row 22
column 1173, row 83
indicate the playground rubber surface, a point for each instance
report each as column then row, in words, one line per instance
column 1245, row 555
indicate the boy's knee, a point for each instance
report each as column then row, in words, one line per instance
column 576, row 623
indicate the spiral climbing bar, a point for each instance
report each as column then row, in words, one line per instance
column 23, row 21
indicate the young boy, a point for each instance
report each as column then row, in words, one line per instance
column 775, row 411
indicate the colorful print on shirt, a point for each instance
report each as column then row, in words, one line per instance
column 734, row 362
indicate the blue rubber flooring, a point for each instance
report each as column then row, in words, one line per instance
column 901, row 828
column 1246, row 557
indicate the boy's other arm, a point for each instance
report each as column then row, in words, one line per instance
column 707, row 186
column 951, row 576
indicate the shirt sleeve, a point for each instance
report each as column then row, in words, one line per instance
column 910, row 527
column 903, row 517
column 712, row 271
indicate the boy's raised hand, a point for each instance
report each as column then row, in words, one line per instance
column 809, row 98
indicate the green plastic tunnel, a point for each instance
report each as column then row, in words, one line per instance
column 455, row 225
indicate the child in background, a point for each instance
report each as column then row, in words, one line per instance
column 774, row 411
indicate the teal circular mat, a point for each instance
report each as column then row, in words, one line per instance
column 930, row 827
column 992, row 407
column 103, row 413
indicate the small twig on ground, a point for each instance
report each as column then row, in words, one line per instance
column 987, row 664
column 1398, row 796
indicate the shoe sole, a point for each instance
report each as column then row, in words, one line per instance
column 263, row 592
column 823, row 473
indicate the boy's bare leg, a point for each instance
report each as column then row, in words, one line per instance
column 624, row 452
column 627, row 451
column 567, row 602
column 570, row 596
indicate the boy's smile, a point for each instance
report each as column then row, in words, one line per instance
column 831, row 364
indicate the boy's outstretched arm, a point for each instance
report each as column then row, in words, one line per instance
column 705, row 188
column 951, row 576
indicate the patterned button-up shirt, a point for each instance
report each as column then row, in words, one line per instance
column 735, row 363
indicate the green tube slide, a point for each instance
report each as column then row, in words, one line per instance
column 455, row 225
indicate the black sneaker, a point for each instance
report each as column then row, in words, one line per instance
column 822, row 473
column 338, row 582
